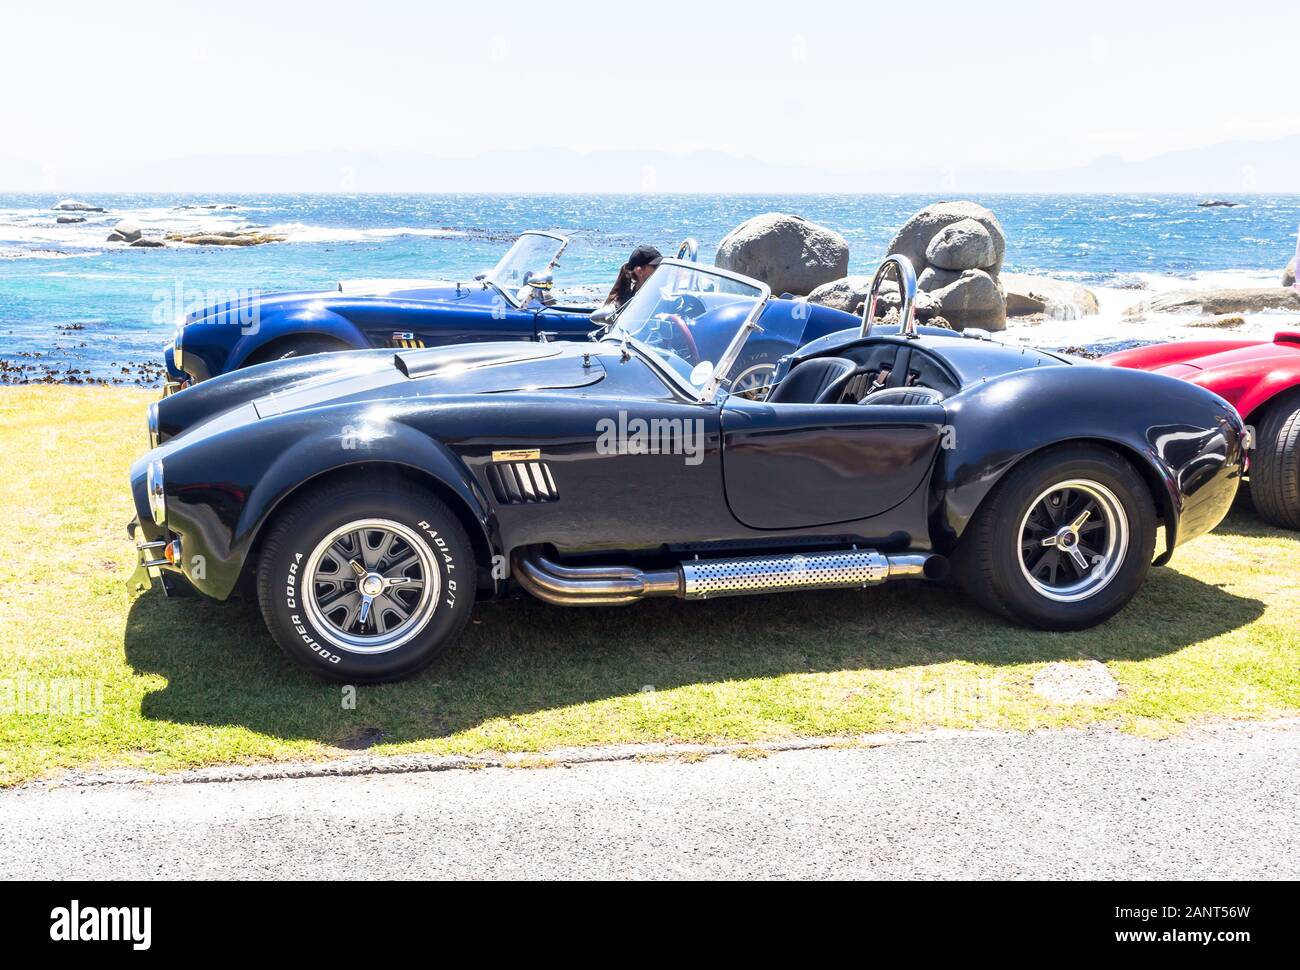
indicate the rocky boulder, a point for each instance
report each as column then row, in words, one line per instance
column 787, row 252
column 145, row 243
column 1053, row 299
column 1288, row 274
column 850, row 295
column 69, row 220
column 1217, row 302
column 957, row 249
column 73, row 205
column 961, row 246
column 972, row 298
column 914, row 239
column 251, row 237
column 127, row 232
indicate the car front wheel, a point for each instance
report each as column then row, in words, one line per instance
column 364, row 583
column 1063, row 542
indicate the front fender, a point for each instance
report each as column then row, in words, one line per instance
column 221, row 494
column 223, row 342
column 1186, row 442
column 304, row 321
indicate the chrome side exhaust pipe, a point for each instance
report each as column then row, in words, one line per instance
column 699, row 579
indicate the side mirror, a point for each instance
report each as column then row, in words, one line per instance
column 602, row 316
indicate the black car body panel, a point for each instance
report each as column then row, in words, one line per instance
column 516, row 438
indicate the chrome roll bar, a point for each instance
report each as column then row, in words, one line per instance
column 689, row 249
column 902, row 267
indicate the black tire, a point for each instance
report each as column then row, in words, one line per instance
column 1275, row 469
column 425, row 533
column 997, row 559
column 301, row 347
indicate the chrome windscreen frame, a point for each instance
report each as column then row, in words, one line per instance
column 505, row 293
column 713, row 390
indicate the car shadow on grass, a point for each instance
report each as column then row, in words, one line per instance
column 520, row 656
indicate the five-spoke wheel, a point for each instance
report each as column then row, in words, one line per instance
column 1073, row 540
column 366, row 581
column 1064, row 540
column 370, row 585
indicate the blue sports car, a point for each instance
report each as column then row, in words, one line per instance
column 516, row 300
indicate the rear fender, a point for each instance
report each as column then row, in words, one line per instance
column 1163, row 425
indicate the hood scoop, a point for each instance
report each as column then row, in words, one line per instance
column 455, row 360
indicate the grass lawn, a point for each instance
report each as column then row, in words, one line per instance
column 170, row 684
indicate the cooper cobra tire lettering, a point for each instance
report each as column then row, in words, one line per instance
column 291, row 598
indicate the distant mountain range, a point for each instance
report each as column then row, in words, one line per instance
column 1239, row 167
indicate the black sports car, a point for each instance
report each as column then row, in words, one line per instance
column 371, row 498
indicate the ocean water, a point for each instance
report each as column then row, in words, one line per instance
column 69, row 301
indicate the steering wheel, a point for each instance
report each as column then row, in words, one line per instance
column 684, row 330
column 687, row 306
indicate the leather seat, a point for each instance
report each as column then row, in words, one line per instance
column 818, row 381
column 904, row 396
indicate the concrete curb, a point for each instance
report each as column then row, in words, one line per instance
column 361, row 765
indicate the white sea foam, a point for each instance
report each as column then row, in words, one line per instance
column 27, row 231
column 296, row 232
column 1111, row 326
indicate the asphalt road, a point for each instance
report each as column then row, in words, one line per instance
column 1217, row 803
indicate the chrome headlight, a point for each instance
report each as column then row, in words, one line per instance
column 153, row 481
column 153, row 425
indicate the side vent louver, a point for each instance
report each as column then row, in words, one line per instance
column 522, row 482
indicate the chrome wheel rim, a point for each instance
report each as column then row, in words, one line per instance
column 1073, row 541
column 371, row 586
column 754, row 384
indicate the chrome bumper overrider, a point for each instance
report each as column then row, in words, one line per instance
column 152, row 556
column 700, row 579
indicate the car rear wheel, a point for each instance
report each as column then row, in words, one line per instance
column 1275, row 469
column 363, row 583
column 1063, row 542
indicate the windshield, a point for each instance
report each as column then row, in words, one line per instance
column 533, row 254
column 692, row 319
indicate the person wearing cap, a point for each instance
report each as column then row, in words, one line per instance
column 638, row 268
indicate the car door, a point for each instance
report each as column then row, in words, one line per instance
column 564, row 323
column 794, row 466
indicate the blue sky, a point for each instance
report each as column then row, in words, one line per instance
column 832, row 87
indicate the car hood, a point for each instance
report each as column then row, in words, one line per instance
column 488, row 368
column 348, row 295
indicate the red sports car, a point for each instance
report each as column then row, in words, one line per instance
column 1261, row 379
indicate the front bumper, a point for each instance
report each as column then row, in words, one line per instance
column 177, row 379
